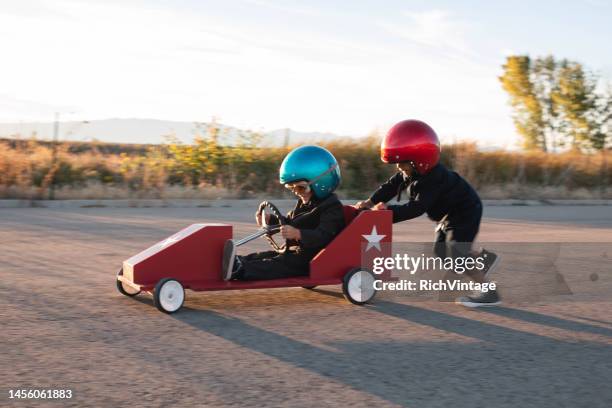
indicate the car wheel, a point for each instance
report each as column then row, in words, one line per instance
column 309, row 287
column 358, row 286
column 169, row 295
column 125, row 289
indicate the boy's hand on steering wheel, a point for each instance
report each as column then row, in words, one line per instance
column 289, row 232
column 379, row 206
column 258, row 218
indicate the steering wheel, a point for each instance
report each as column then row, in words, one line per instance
column 271, row 229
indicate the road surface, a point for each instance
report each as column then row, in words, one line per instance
column 64, row 325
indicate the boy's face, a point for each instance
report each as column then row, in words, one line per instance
column 405, row 168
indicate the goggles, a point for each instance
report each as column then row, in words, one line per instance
column 302, row 187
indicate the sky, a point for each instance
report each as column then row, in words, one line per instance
column 346, row 67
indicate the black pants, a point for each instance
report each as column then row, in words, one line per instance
column 272, row 265
column 455, row 237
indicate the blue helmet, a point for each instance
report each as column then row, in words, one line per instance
column 313, row 164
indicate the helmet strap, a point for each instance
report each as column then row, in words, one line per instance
column 325, row 173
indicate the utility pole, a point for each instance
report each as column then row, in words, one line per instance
column 286, row 141
column 54, row 156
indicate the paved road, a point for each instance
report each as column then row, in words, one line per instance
column 63, row 325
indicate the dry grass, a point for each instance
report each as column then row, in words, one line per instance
column 207, row 171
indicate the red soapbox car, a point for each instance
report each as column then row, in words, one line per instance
column 192, row 259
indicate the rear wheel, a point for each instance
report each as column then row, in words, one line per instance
column 169, row 295
column 358, row 286
column 125, row 289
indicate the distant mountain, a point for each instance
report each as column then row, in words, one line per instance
column 149, row 131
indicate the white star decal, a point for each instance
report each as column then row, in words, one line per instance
column 373, row 239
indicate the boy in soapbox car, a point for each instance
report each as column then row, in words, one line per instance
column 312, row 174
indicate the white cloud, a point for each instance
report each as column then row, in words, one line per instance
column 127, row 60
column 431, row 29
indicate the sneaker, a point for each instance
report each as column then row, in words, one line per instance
column 489, row 298
column 491, row 260
column 229, row 257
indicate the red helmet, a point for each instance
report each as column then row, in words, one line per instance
column 411, row 141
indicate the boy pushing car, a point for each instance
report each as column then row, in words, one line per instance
column 442, row 194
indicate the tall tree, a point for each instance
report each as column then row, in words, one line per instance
column 528, row 113
column 600, row 119
column 577, row 100
column 557, row 103
column 544, row 76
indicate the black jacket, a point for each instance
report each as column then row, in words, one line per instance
column 319, row 221
column 440, row 193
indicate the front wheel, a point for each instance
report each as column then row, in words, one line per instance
column 358, row 286
column 169, row 295
column 125, row 289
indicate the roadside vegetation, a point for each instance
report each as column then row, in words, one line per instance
column 209, row 169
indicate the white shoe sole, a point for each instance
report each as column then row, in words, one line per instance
column 468, row 303
column 229, row 257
